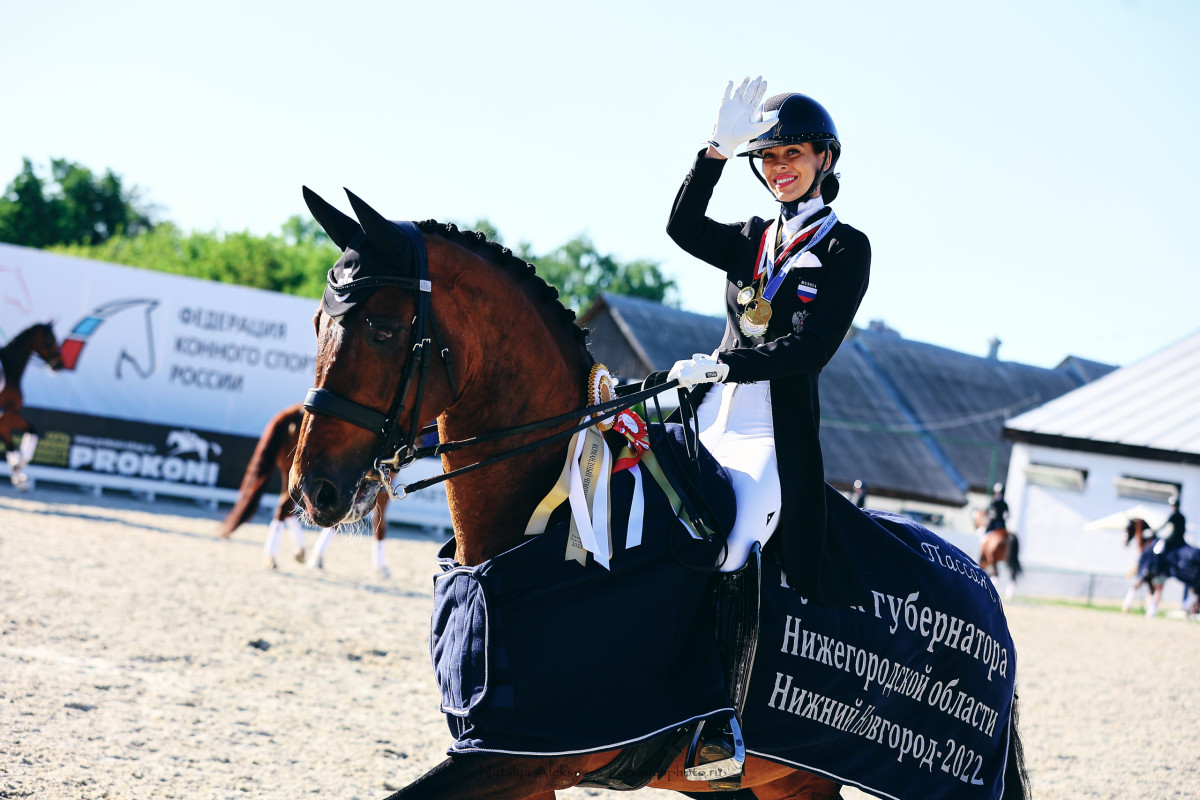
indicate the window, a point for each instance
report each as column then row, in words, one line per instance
column 1145, row 488
column 1054, row 477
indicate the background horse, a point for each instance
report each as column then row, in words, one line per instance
column 14, row 357
column 507, row 353
column 274, row 451
column 1154, row 567
column 998, row 546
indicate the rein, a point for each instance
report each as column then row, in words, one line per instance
column 396, row 450
column 594, row 414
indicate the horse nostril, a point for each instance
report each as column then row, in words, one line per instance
column 326, row 496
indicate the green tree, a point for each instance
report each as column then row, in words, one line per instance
column 294, row 262
column 73, row 206
column 580, row 272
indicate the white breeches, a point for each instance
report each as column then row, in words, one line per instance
column 736, row 426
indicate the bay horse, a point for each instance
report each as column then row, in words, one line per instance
column 274, row 451
column 488, row 348
column 37, row 339
column 998, row 546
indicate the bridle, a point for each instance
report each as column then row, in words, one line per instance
column 397, row 450
column 53, row 354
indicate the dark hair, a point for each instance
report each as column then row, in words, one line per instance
column 829, row 184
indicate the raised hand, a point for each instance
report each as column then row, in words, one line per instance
column 739, row 117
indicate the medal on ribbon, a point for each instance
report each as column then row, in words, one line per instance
column 757, row 313
column 756, row 317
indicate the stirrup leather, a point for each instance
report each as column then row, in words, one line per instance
column 718, row 758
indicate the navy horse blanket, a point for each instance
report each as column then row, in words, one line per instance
column 539, row 655
column 1181, row 563
column 907, row 695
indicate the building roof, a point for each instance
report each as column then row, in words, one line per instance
column 867, row 435
column 1149, row 408
column 909, row 419
column 960, row 402
column 661, row 335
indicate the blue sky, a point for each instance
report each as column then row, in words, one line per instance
column 1027, row 170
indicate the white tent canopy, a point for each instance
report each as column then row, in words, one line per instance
column 1118, row 521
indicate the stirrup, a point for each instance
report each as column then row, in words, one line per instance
column 719, row 757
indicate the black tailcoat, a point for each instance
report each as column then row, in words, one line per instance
column 799, row 341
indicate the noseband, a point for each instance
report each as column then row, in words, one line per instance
column 396, row 450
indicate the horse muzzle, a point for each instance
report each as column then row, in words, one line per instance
column 328, row 502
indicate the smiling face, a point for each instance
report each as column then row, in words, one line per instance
column 790, row 169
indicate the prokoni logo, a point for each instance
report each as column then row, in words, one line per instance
column 140, row 459
column 121, row 319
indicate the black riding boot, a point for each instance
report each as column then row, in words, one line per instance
column 718, row 751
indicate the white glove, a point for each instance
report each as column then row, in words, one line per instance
column 700, row 368
column 739, row 117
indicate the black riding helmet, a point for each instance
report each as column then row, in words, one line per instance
column 798, row 118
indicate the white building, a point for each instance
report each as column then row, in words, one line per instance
column 1127, row 439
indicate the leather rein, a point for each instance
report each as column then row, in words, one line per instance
column 397, row 450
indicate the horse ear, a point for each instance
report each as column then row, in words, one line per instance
column 382, row 233
column 340, row 227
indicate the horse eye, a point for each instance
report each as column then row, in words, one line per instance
column 383, row 334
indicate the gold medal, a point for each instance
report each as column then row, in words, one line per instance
column 756, row 316
column 745, row 295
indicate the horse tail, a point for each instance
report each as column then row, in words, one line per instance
column 1016, row 777
column 258, row 471
column 1014, row 556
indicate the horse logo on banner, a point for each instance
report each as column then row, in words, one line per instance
column 188, row 442
column 133, row 331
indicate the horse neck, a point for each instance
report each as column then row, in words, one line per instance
column 14, row 356
column 522, row 365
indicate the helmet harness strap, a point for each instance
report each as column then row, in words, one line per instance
column 821, row 175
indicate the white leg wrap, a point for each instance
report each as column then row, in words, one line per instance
column 1130, row 596
column 377, row 558
column 293, row 525
column 274, row 534
column 323, row 542
column 28, row 445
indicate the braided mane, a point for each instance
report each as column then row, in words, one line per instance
column 504, row 258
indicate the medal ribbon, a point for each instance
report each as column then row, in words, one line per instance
column 808, row 237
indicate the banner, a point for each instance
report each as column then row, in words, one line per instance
column 169, row 380
column 153, row 347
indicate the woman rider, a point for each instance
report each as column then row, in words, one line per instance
column 794, row 283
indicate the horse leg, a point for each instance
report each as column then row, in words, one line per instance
column 18, row 456
column 1001, row 557
column 799, row 786
column 476, row 777
column 1130, row 597
column 271, row 545
column 318, row 557
column 293, row 525
column 1152, row 600
column 377, row 557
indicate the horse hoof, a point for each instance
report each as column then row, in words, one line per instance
column 384, row 573
column 271, row 563
column 20, row 481
column 299, row 556
column 317, row 563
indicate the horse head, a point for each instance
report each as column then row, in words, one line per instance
column 367, row 338
column 46, row 346
column 423, row 322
